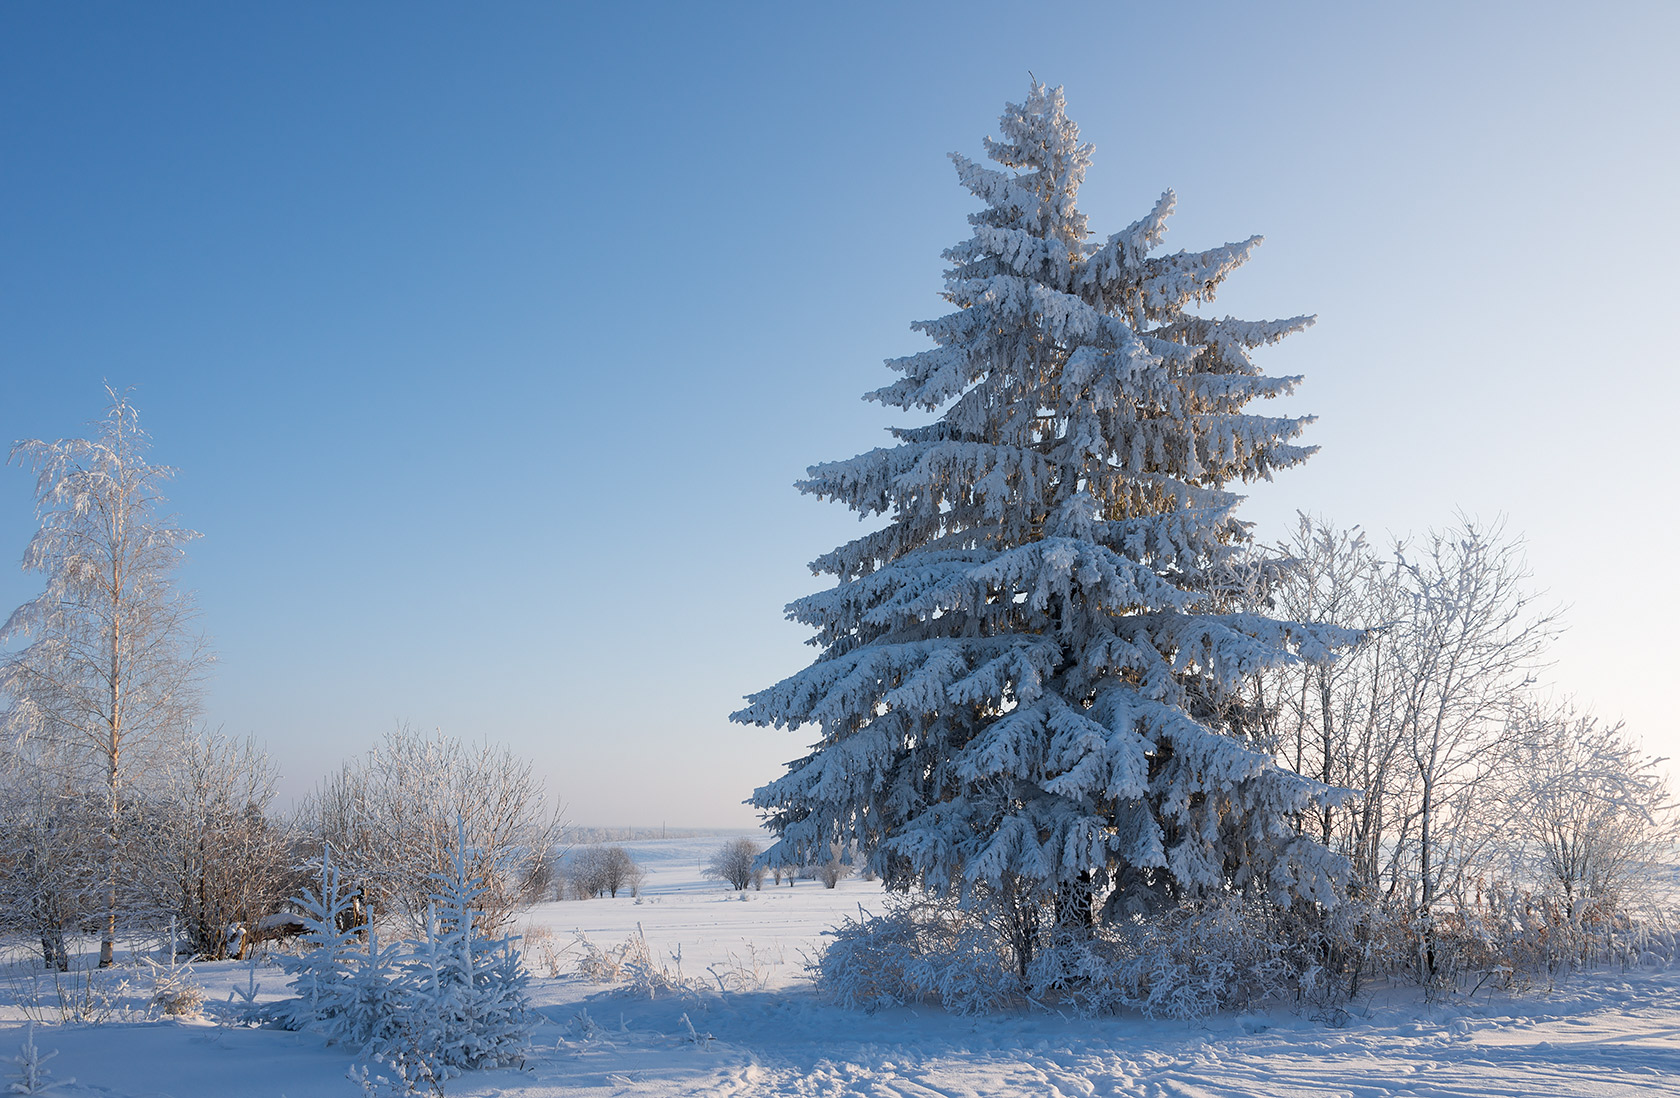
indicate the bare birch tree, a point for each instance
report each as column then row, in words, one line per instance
column 111, row 670
column 1466, row 651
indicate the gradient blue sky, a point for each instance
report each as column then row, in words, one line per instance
column 489, row 339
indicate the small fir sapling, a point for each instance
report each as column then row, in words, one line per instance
column 463, row 997
column 428, row 1008
column 321, row 975
column 32, row 1074
column 372, row 996
column 245, row 998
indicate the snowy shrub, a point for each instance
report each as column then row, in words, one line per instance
column 835, row 868
column 409, row 1075
column 922, row 950
column 217, row 858
column 396, row 816
column 1514, row 939
column 1500, row 935
column 52, row 864
column 1187, row 963
column 631, row 964
column 174, row 991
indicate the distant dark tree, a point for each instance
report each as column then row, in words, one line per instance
column 736, row 862
column 595, row 870
column 834, row 868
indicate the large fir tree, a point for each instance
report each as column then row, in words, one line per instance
column 1027, row 676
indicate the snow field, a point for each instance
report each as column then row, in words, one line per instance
column 1604, row 1035
column 774, row 929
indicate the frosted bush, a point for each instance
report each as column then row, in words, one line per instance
column 631, row 964
column 921, row 950
column 1515, row 939
column 1188, row 963
column 174, row 991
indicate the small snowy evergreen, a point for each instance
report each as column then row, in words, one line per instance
column 462, row 995
column 429, row 1008
column 32, row 1075
column 322, row 975
column 1026, row 685
column 371, row 996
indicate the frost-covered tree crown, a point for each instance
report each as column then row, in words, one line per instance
column 1027, row 675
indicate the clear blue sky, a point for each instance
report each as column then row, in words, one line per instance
column 489, row 339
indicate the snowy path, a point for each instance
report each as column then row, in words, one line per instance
column 1627, row 1042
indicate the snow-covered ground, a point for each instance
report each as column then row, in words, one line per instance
column 1604, row 1034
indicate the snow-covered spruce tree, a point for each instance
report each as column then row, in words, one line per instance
column 1027, row 680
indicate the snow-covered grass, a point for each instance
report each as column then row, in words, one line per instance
column 1603, row 1034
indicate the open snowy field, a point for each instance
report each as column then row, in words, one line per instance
column 1605, row 1034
